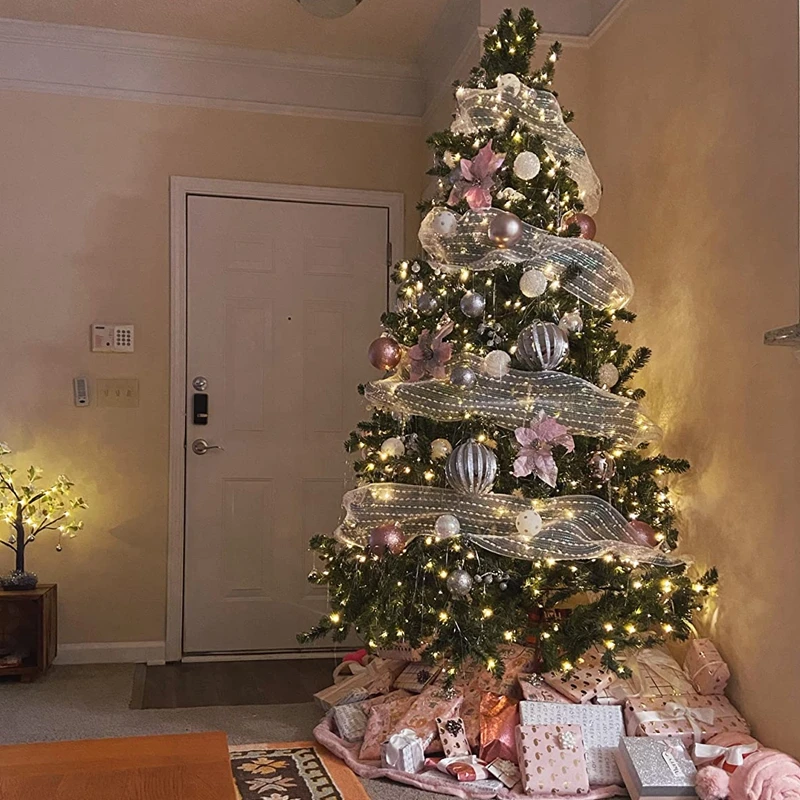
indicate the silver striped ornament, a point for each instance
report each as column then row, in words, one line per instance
column 542, row 345
column 471, row 468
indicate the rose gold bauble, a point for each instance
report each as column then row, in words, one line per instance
column 587, row 225
column 642, row 533
column 388, row 536
column 385, row 353
column 505, row 229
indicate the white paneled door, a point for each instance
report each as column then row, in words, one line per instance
column 283, row 299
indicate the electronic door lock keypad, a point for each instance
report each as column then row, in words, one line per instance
column 200, row 408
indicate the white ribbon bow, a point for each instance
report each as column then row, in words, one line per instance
column 731, row 755
column 674, row 711
column 397, row 742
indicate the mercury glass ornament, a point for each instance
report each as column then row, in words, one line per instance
column 463, row 376
column 509, row 83
column 447, row 525
column 608, row 375
column 571, row 322
column 393, row 447
column 444, row 223
column 542, row 345
column 527, row 165
column 587, row 225
column 497, row 363
column 642, row 533
column 602, row 466
column 473, row 304
column 385, row 353
column 440, row 448
column 388, row 536
column 505, row 229
column 528, row 523
column 533, row 283
column 459, row 583
column 427, row 303
column 471, row 468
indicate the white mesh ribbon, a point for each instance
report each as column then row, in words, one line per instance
column 539, row 110
column 513, row 400
column 601, row 280
column 574, row 528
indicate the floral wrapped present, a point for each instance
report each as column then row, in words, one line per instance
column 602, row 729
column 584, row 682
column 382, row 722
column 421, row 716
column 534, row 688
column 705, row 668
column 453, row 736
column 552, row 759
column 404, row 751
column 499, row 720
column 415, row 677
column 691, row 717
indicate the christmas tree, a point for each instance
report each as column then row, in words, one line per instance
column 508, row 484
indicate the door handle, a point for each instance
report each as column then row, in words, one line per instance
column 200, row 447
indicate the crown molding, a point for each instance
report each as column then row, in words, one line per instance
column 94, row 62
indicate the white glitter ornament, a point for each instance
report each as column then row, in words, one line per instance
column 608, row 375
column 533, row 283
column 393, row 447
column 440, row 448
column 444, row 223
column 527, row 165
column 571, row 322
column 447, row 525
column 509, row 83
column 497, row 363
column 528, row 523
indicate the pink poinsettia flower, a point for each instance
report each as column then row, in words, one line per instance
column 477, row 178
column 537, row 440
column 429, row 355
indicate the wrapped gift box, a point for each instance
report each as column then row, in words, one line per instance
column 403, row 751
column 382, row 722
column 656, row 768
column 705, row 668
column 602, row 729
column 534, row 688
column 552, row 759
column 421, row 716
column 415, row 677
column 350, row 720
column 453, row 736
column 376, row 677
column 655, row 674
column 507, row 772
column 585, row 681
column 691, row 717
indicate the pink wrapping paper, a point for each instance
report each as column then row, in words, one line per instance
column 552, row 759
column 692, row 717
column 422, row 714
column 585, row 681
column 499, row 720
column 381, row 724
column 705, row 668
column 535, row 689
column 453, row 736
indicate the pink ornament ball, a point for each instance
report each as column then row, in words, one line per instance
column 586, row 223
column 712, row 783
column 388, row 536
column 642, row 533
column 385, row 353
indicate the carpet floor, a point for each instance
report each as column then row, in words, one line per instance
column 92, row 701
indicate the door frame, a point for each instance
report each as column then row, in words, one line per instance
column 181, row 188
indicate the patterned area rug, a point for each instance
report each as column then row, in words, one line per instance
column 292, row 771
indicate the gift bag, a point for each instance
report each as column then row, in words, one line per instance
column 552, row 759
column 705, row 668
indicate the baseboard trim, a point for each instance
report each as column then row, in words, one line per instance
column 111, row 653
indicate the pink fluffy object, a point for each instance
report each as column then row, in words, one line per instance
column 766, row 775
column 712, row 783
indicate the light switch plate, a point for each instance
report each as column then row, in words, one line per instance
column 117, row 392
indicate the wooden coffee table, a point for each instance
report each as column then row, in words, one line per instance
column 186, row 767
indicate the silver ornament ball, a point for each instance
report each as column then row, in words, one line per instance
column 505, row 229
column 608, row 375
column 427, row 303
column 463, row 376
column 471, row 468
column 459, row 583
column 497, row 363
column 393, row 447
column 447, row 525
column 571, row 322
column 542, row 345
column 473, row 304
column 509, row 83
column 527, row 165
column 533, row 283
column 444, row 223
column 602, row 466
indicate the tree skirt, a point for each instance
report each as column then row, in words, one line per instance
column 433, row 780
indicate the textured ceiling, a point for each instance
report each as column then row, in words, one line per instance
column 386, row 30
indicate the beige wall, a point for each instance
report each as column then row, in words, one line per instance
column 693, row 131
column 85, row 238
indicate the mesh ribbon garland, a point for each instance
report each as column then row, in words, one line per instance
column 574, row 528
column 599, row 280
column 513, row 400
column 540, row 111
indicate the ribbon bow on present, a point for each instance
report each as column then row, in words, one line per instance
column 566, row 740
column 397, row 742
column 732, row 757
column 676, row 711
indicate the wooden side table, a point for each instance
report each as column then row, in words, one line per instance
column 29, row 628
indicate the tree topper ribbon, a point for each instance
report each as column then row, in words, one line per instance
column 731, row 756
column 397, row 743
column 676, row 711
